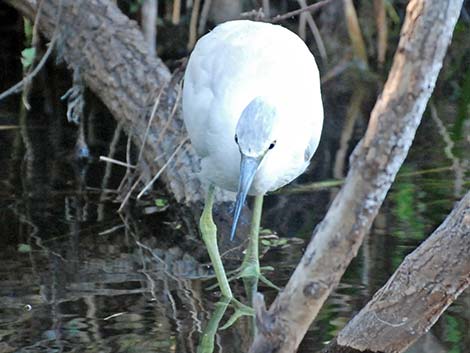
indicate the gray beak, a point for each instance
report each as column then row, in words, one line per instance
column 248, row 168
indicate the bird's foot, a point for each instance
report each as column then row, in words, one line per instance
column 207, row 338
column 252, row 269
column 249, row 270
column 240, row 310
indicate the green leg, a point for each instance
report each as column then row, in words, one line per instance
column 250, row 265
column 252, row 252
column 206, row 343
column 209, row 235
column 250, row 269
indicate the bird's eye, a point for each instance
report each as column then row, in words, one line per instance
column 271, row 146
column 236, row 139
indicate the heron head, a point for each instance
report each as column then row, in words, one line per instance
column 256, row 128
column 255, row 136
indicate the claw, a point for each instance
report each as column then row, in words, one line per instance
column 240, row 311
column 268, row 282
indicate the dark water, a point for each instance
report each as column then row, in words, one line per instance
column 75, row 276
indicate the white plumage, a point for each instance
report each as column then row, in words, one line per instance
column 241, row 62
column 252, row 106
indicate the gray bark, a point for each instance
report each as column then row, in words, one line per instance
column 375, row 162
column 113, row 59
column 149, row 13
column 423, row 286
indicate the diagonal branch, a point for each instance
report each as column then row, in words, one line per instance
column 423, row 286
column 375, row 162
column 109, row 52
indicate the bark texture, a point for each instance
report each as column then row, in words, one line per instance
column 375, row 162
column 423, row 286
column 109, row 52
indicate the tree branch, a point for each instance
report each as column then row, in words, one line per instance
column 375, row 162
column 423, row 286
column 112, row 57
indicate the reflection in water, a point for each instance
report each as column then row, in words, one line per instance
column 76, row 276
column 207, row 337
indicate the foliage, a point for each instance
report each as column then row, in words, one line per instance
column 29, row 53
column 27, row 57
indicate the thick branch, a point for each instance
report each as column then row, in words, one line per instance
column 425, row 284
column 425, row 37
column 111, row 56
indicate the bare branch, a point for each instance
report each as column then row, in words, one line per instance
column 19, row 86
column 90, row 35
column 423, row 286
column 315, row 31
column 375, row 162
column 309, row 8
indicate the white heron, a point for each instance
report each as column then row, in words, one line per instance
column 253, row 110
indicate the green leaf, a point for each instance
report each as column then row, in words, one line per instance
column 161, row 202
column 28, row 31
column 27, row 57
column 24, row 248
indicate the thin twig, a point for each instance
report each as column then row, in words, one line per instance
column 111, row 230
column 129, row 193
column 137, row 182
column 152, row 115
column 34, row 40
column 382, row 30
column 128, row 173
column 355, row 32
column 176, row 13
column 9, row 127
column 315, row 31
column 108, row 169
column 172, row 114
column 203, row 17
column 193, row 24
column 99, row 190
column 35, row 45
column 158, row 258
column 337, row 70
column 113, row 316
column 309, row 8
column 115, row 161
column 257, row 15
column 449, row 145
column 162, row 168
column 326, row 184
column 302, row 26
column 19, row 86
